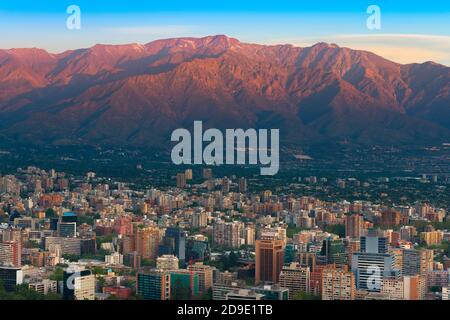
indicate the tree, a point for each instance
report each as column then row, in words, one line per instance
column 58, row 274
column 50, row 213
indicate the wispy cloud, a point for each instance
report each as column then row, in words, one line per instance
column 160, row 30
column 402, row 48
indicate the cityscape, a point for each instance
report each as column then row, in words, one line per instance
column 226, row 159
column 213, row 238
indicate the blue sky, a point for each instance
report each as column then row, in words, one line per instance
column 411, row 31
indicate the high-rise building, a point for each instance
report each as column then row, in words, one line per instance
column 205, row 276
column 197, row 248
column 153, row 285
column 296, row 278
column 338, row 285
column 225, row 185
column 370, row 268
column 242, row 185
column 373, row 263
column 10, row 253
column 228, row 234
column 67, row 229
column 174, row 242
column 181, row 180
column 79, row 284
column 167, row 262
column 67, row 245
column 354, row 226
column 199, row 219
column 184, row 284
column 405, row 288
column 374, row 244
column 114, row 258
column 417, row 262
column 11, row 277
column 147, row 241
column 269, row 259
column 249, row 235
column 432, row 237
column 334, row 251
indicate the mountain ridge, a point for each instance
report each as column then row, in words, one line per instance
column 137, row 94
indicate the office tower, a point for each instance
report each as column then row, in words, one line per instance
column 354, row 226
column 225, row 185
column 167, row 262
column 269, row 259
column 205, row 276
column 147, row 242
column 188, row 174
column 207, row 173
column 334, row 251
column 373, row 263
column 67, row 229
column 374, row 244
column 296, row 278
column 370, row 268
column 11, row 277
column 228, row 234
column 417, row 262
column 10, row 253
column 242, row 185
column 153, row 285
column 199, row 219
column 338, row 285
column 174, row 242
column 181, row 180
column 184, row 284
column 197, row 248
column 78, row 284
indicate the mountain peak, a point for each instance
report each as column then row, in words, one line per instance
column 134, row 94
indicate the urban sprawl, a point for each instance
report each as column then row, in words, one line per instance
column 213, row 238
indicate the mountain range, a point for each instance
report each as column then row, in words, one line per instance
column 137, row 94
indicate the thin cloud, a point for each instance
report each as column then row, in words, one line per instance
column 165, row 30
column 401, row 48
